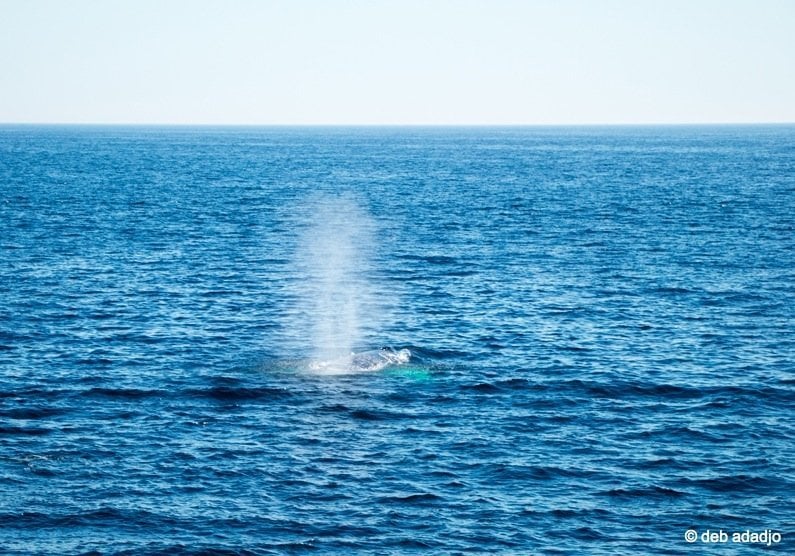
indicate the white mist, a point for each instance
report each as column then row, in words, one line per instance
column 338, row 294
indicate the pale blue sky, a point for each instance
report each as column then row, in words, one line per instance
column 397, row 62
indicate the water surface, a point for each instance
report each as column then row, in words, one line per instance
column 599, row 319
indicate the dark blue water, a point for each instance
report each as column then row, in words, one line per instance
column 600, row 323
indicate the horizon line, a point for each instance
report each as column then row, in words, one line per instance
column 396, row 125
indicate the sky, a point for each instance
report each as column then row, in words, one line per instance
column 397, row 62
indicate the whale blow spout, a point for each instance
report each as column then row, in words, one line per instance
column 338, row 290
column 338, row 303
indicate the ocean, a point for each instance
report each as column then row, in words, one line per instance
column 329, row 340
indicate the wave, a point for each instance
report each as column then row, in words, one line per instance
column 239, row 393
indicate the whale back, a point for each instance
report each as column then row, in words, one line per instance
column 365, row 361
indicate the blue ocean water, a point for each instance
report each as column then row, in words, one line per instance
column 599, row 321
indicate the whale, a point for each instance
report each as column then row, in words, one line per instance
column 365, row 361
